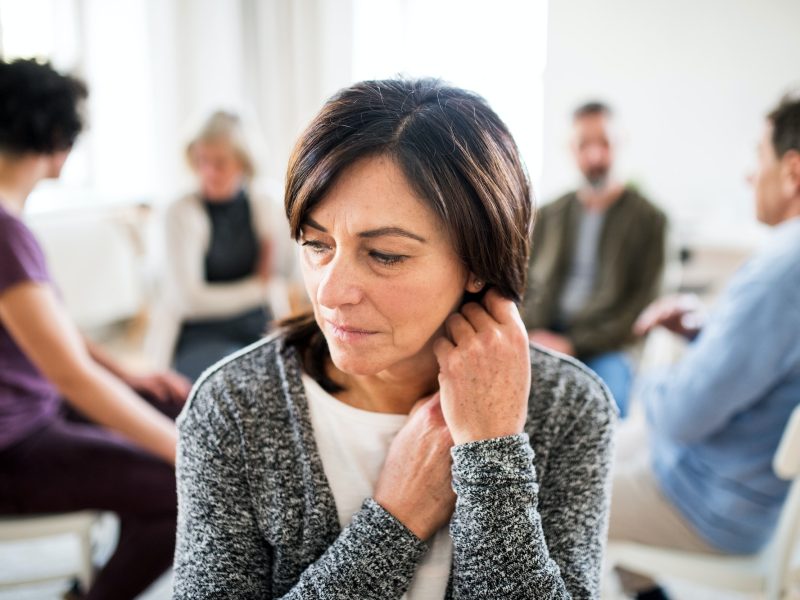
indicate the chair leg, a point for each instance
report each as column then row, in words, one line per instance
column 86, row 568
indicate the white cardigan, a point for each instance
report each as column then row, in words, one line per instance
column 186, row 293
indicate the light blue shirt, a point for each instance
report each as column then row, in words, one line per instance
column 718, row 415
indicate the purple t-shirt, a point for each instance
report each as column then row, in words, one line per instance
column 27, row 400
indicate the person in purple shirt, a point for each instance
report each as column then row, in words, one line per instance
column 75, row 432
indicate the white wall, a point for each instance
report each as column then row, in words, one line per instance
column 690, row 81
column 497, row 50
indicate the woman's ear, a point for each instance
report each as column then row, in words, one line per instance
column 55, row 162
column 474, row 284
column 790, row 171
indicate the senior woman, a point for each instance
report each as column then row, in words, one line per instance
column 405, row 440
column 219, row 250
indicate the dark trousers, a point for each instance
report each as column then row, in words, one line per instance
column 73, row 465
column 203, row 343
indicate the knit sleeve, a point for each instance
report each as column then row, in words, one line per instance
column 517, row 537
column 221, row 551
column 374, row 558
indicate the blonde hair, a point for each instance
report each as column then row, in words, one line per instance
column 224, row 126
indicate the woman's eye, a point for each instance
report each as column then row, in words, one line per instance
column 387, row 259
column 315, row 246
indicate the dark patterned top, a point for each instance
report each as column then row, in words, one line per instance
column 233, row 248
column 257, row 518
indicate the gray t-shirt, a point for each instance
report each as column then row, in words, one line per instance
column 580, row 279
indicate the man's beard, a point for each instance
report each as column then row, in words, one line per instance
column 597, row 179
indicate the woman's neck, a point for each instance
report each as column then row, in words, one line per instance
column 394, row 390
column 18, row 177
column 224, row 198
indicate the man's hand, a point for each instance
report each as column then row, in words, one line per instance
column 682, row 314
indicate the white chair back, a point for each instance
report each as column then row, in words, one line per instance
column 779, row 554
column 30, row 527
column 773, row 572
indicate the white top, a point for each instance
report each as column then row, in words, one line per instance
column 186, row 293
column 188, row 229
column 353, row 444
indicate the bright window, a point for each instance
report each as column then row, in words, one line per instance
column 106, row 44
column 497, row 49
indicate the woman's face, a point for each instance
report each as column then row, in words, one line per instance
column 380, row 270
column 218, row 167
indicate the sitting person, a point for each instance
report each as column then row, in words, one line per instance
column 715, row 419
column 219, row 251
column 596, row 260
column 74, row 434
column 404, row 439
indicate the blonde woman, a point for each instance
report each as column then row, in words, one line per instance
column 220, row 250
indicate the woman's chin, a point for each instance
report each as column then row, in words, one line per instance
column 356, row 363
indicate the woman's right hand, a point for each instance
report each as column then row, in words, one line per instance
column 415, row 483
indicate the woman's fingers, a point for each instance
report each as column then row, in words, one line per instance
column 477, row 316
column 179, row 385
column 441, row 348
column 458, row 328
column 501, row 309
column 148, row 386
column 423, row 402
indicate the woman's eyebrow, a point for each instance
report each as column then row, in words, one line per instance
column 372, row 233
column 313, row 224
column 399, row 231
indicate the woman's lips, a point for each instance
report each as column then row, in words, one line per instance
column 347, row 333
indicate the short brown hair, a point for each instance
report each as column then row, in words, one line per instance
column 456, row 154
column 592, row 108
column 785, row 119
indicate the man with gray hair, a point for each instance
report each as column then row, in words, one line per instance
column 715, row 418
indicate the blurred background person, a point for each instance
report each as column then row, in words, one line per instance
column 596, row 260
column 219, row 251
column 73, row 433
column 715, row 418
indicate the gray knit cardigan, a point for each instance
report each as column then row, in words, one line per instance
column 257, row 518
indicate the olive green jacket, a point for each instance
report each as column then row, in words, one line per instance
column 628, row 278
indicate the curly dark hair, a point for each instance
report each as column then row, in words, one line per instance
column 40, row 109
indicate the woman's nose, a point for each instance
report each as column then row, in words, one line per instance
column 340, row 285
